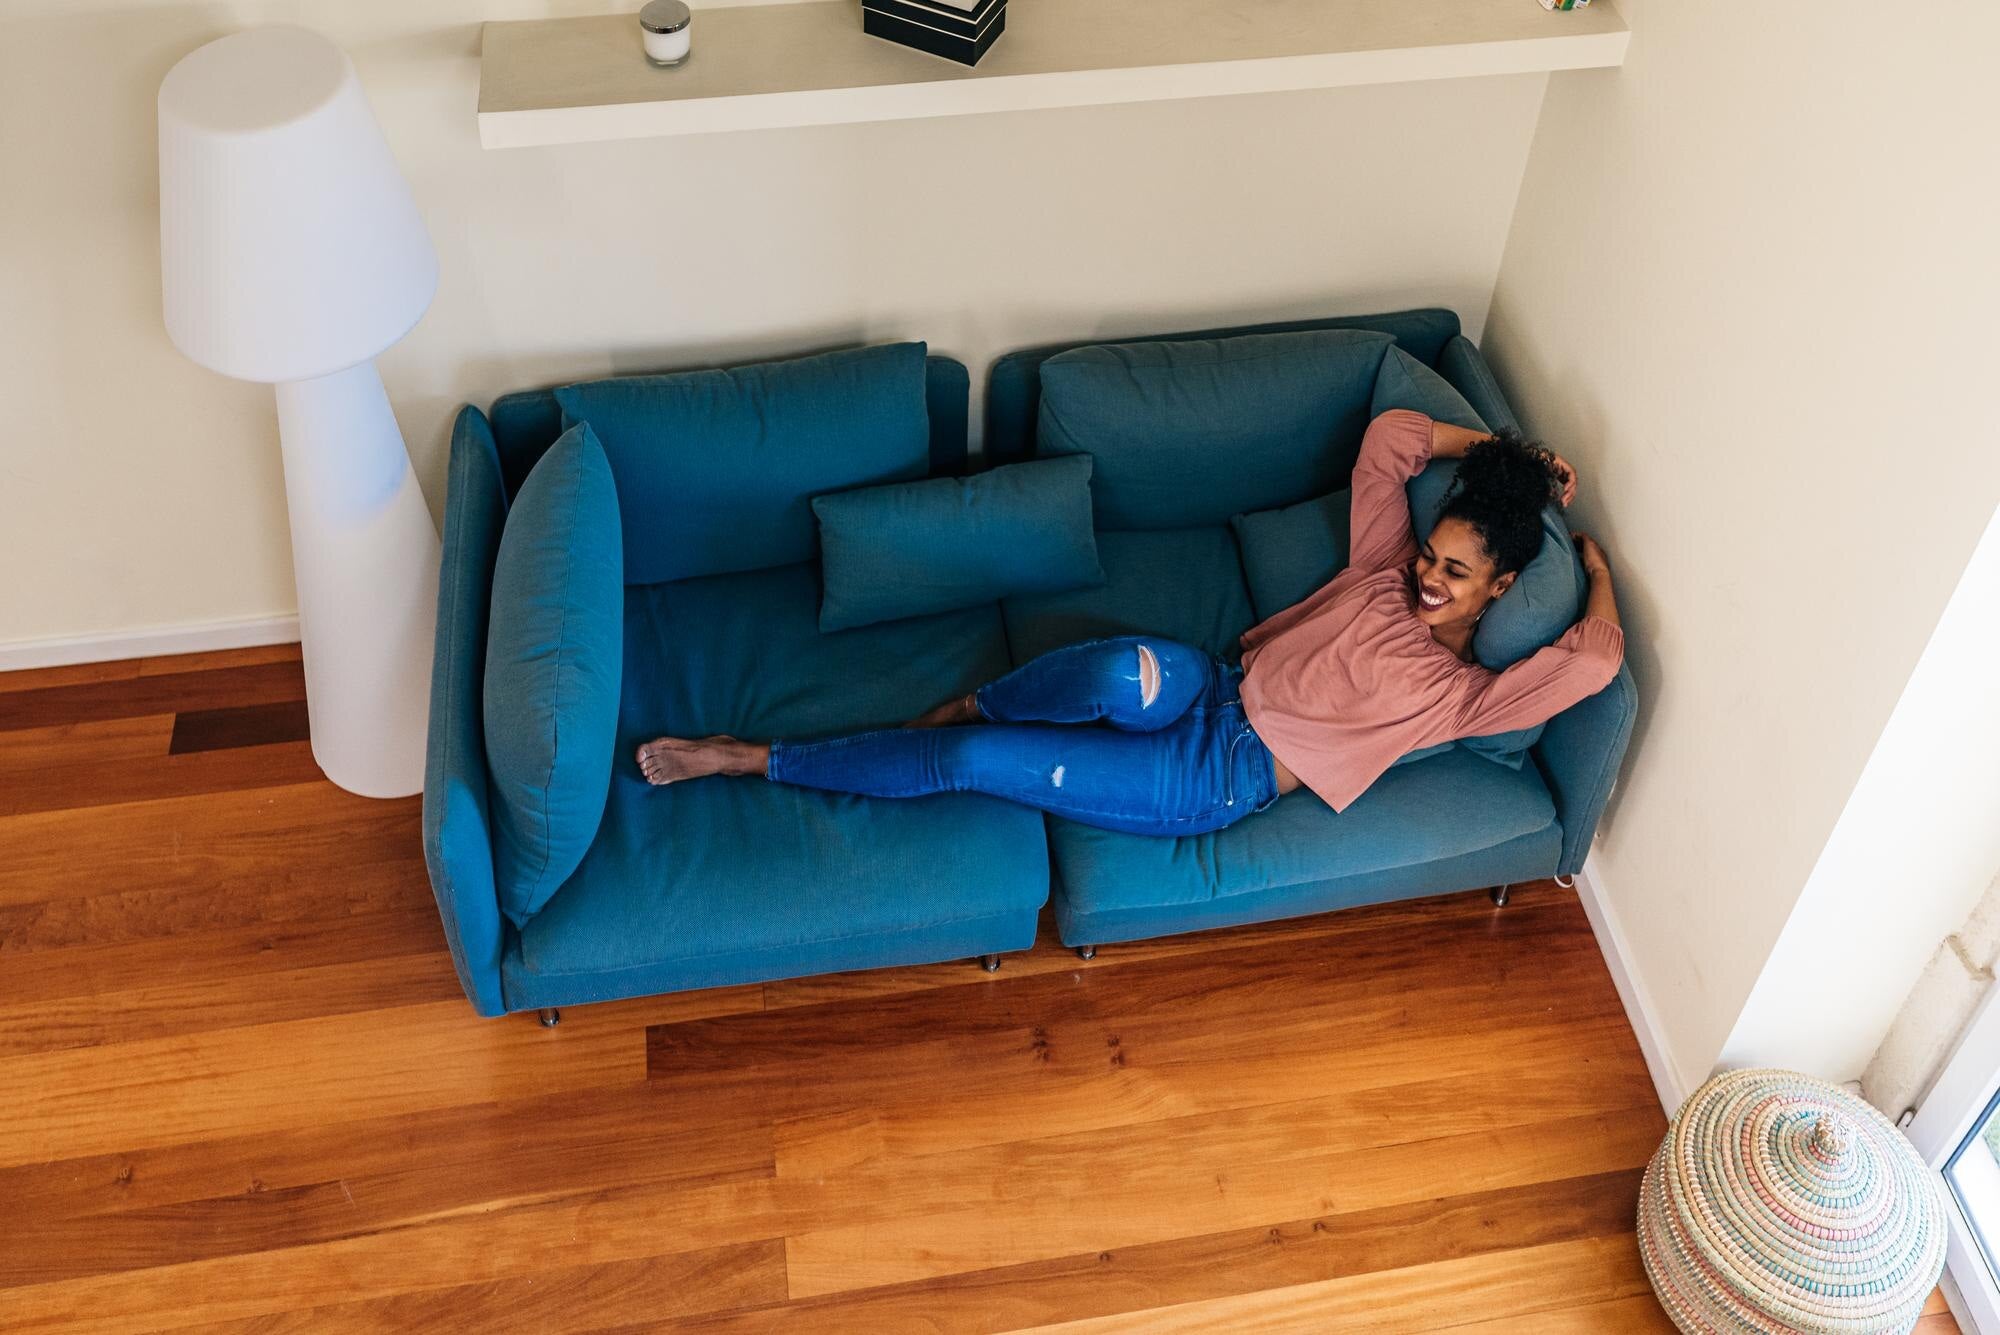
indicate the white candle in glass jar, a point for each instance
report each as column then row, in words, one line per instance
column 668, row 28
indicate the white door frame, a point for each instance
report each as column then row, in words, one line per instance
column 1950, row 1112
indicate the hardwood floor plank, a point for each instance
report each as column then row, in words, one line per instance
column 160, row 692
column 1513, row 1283
column 210, row 660
column 215, row 844
column 69, row 674
column 76, row 787
column 1216, row 1265
column 504, row 1242
column 1640, row 1314
column 646, row 1292
column 156, row 1092
column 128, row 669
column 1038, row 1200
column 235, row 955
column 26, row 752
column 1050, row 956
column 1486, row 1082
column 316, row 1185
column 1363, row 968
column 217, row 1004
column 239, row 725
column 369, row 1145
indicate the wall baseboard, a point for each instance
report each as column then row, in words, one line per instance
column 1639, row 1008
column 195, row 637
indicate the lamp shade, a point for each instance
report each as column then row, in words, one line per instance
column 290, row 246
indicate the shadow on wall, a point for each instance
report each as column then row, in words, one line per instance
column 1582, row 433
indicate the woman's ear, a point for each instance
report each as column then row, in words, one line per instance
column 1504, row 583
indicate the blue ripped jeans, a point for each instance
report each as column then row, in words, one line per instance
column 1150, row 738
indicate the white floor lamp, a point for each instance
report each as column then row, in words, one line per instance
column 291, row 252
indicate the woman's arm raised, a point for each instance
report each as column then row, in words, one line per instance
column 1577, row 666
column 1451, row 442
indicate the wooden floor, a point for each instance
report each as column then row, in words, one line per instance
column 241, row 1092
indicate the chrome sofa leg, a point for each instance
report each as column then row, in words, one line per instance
column 990, row 963
column 1086, row 952
column 1499, row 895
column 550, row 1017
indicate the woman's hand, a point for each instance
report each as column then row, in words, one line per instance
column 1565, row 473
column 1595, row 564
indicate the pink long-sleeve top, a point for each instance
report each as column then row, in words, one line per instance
column 1343, row 684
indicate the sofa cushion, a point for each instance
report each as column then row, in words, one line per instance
column 1461, row 364
column 1289, row 554
column 553, row 647
column 1445, row 807
column 731, row 880
column 716, row 469
column 743, row 654
column 1192, row 432
column 1184, row 584
column 1405, row 382
column 934, row 546
column 756, row 872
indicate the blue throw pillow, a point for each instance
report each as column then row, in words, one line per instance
column 717, row 469
column 1290, row 553
column 554, row 647
column 936, row 546
column 1194, row 431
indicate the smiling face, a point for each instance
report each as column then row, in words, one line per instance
column 1454, row 576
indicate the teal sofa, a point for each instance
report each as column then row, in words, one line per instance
column 730, row 881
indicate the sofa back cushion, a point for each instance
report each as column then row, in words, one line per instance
column 914, row 548
column 1189, row 433
column 1014, row 382
column 715, row 470
column 554, row 652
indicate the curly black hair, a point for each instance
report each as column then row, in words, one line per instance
column 1503, row 484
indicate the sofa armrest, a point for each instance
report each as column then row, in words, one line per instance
column 1579, row 754
column 458, row 844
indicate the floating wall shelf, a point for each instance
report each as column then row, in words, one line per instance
column 571, row 80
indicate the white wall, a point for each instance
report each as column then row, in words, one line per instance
column 1915, row 846
column 140, row 490
column 1749, row 288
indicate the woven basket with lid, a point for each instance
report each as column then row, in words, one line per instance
column 1782, row 1205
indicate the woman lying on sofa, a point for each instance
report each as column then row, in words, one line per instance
column 1332, row 690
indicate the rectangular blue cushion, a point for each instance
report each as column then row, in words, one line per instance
column 1014, row 383
column 1291, row 553
column 1443, row 823
column 550, row 701
column 934, row 546
column 1183, row 584
column 1188, row 433
column 716, row 469
column 725, row 879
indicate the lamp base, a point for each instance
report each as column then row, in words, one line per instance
column 365, row 556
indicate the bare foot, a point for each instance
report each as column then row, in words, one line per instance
column 671, row 759
column 947, row 715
